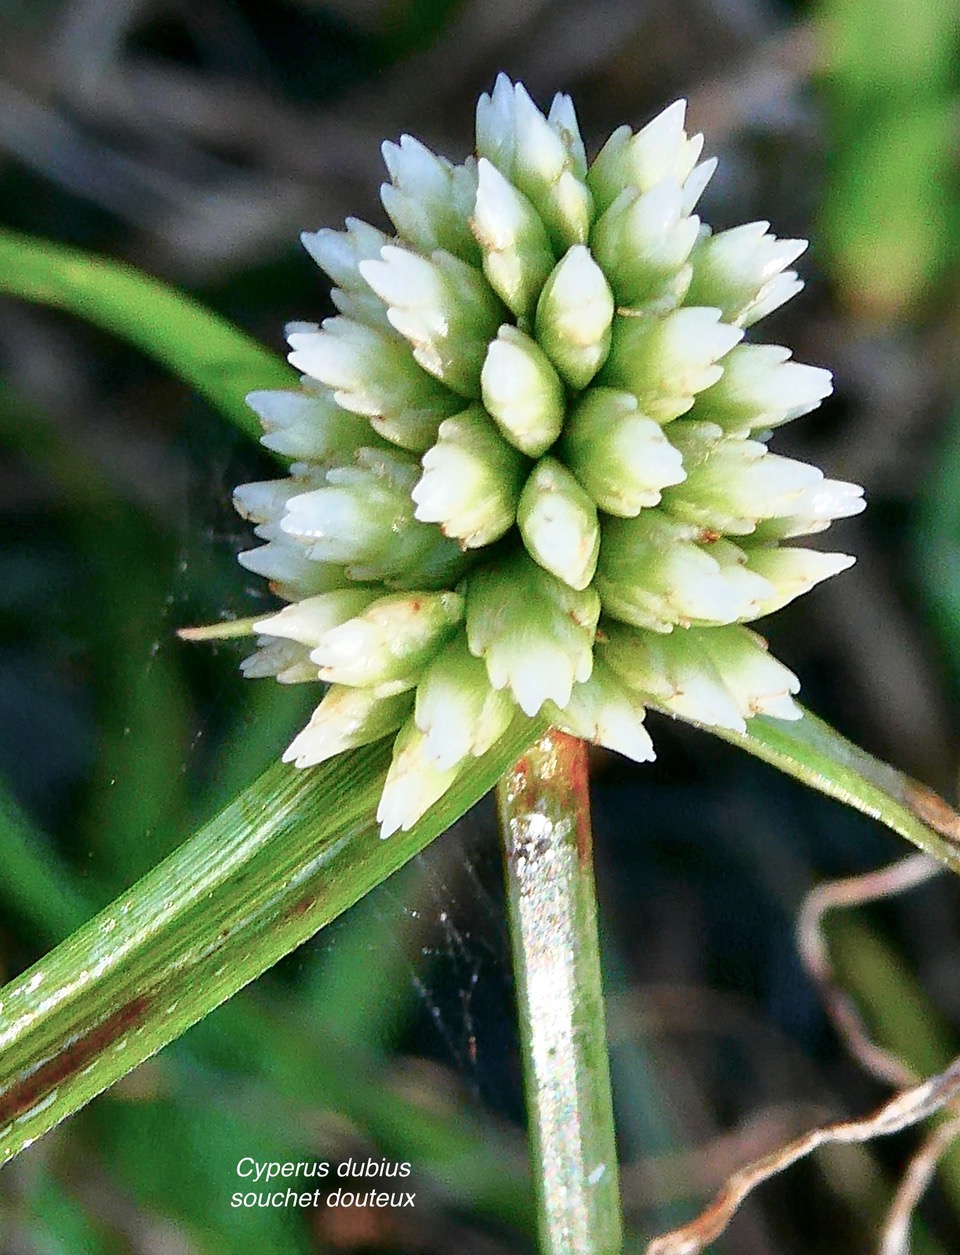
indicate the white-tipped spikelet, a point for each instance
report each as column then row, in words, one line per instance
column 529, row 467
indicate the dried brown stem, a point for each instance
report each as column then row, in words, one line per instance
column 657, row 1180
column 874, row 886
column 915, row 1102
column 901, row 1112
column 895, row 1235
column 884, row 1064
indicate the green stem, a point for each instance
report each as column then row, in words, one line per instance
column 544, row 810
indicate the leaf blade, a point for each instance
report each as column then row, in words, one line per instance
column 221, row 362
column 815, row 753
column 286, row 857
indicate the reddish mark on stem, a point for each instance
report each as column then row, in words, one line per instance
column 70, row 1061
column 572, row 759
column 552, row 778
column 933, row 810
column 521, row 776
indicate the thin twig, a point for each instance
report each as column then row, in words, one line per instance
column 901, row 1112
column 672, row 1176
column 895, row 1234
column 915, row 1102
column 905, row 874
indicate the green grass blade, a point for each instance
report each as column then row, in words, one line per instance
column 211, row 354
column 36, row 885
column 290, row 854
column 817, row 754
column 299, row 1055
column 287, row 856
column 889, row 239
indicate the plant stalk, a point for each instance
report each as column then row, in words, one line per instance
column 544, row 809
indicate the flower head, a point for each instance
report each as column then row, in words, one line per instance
column 529, row 466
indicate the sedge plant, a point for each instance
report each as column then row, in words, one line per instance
column 528, row 497
column 529, row 478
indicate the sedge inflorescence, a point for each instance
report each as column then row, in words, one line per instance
column 529, row 465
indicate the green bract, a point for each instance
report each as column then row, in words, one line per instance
column 528, row 460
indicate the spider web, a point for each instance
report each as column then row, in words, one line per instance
column 437, row 929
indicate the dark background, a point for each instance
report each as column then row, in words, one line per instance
column 196, row 140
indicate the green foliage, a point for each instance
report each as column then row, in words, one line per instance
column 217, row 359
column 889, row 214
column 138, row 805
column 815, row 753
column 908, row 1023
column 291, row 852
column 878, row 49
column 936, row 545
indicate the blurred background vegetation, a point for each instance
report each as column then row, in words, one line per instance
column 196, row 140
